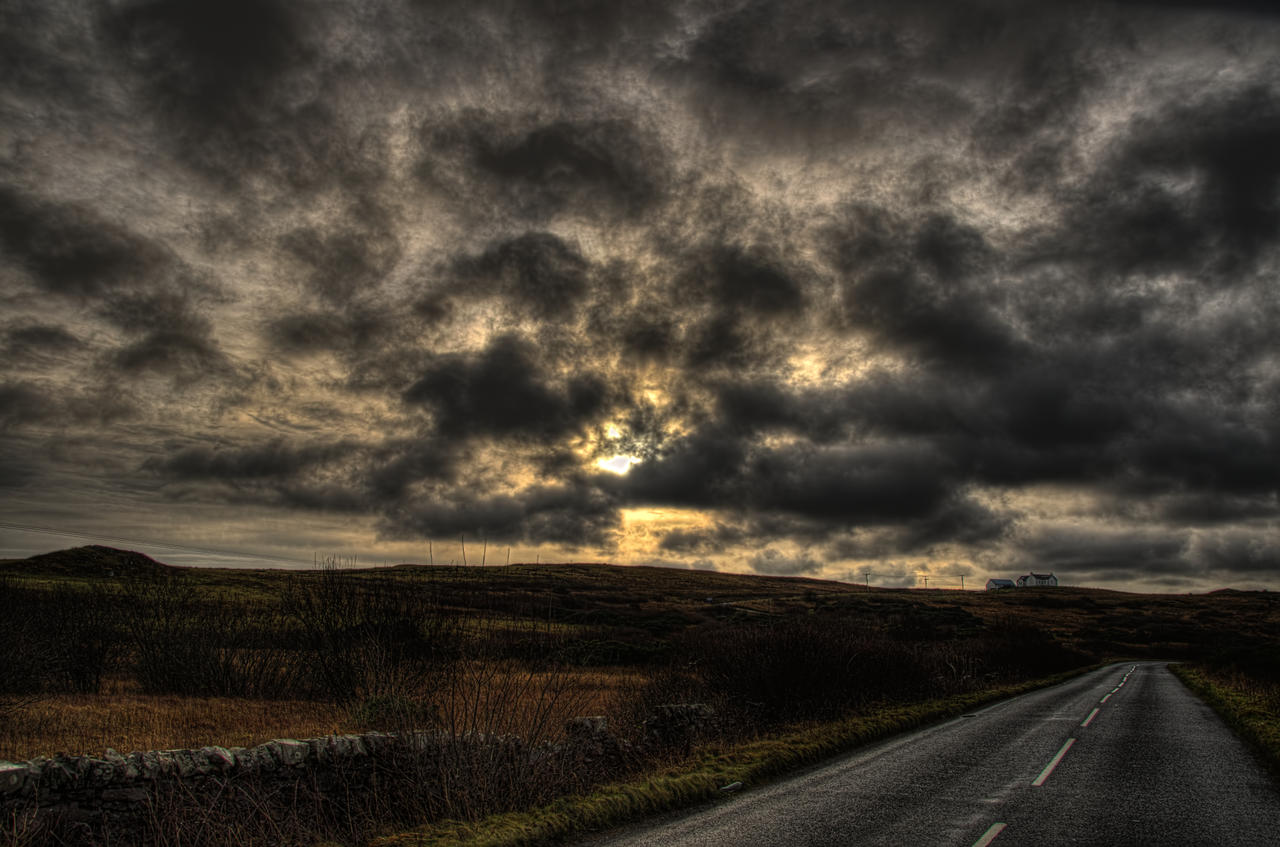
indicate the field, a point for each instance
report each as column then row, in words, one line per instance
column 106, row 649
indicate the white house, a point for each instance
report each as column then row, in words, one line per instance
column 995, row 584
column 1032, row 579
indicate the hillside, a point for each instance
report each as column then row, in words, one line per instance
column 649, row 605
column 92, row 560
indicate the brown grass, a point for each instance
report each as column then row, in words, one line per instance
column 125, row 720
column 87, row 724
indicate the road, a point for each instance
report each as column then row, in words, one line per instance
column 1124, row 755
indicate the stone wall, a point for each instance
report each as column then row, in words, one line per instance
column 122, row 791
column 90, row 790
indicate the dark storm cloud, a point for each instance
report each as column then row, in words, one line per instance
column 537, row 272
column 183, row 356
column 209, row 59
column 22, row 403
column 344, row 261
column 1193, row 188
column 573, row 515
column 503, row 392
column 885, row 280
column 38, row 340
column 312, row 331
column 920, row 288
column 393, row 470
column 1101, row 551
column 169, row 335
column 1212, row 508
column 1238, row 551
column 274, row 459
column 738, row 280
column 34, row 40
column 534, row 168
column 216, row 74
column 71, row 250
column 839, row 485
column 564, row 162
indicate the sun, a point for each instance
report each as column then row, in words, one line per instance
column 618, row 464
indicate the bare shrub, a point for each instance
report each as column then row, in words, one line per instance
column 369, row 636
column 185, row 641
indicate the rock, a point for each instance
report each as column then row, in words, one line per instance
column 125, row 796
column 679, row 723
column 13, row 777
column 589, row 725
column 219, row 758
column 290, row 752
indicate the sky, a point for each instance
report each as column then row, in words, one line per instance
column 877, row 291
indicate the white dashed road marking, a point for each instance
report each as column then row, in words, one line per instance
column 1053, row 763
column 989, row 835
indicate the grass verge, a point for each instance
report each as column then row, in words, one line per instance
column 1249, row 710
column 701, row 779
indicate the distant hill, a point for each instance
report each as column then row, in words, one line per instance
column 90, row 560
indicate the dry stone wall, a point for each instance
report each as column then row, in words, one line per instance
column 88, row 789
column 121, row 791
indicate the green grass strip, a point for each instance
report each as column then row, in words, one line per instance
column 750, row 763
column 1250, row 714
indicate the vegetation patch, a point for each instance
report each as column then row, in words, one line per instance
column 703, row 777
column 1248, row 703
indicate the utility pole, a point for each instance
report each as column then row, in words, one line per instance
column 484, row 551
column 926, row 582
column 464, row 549
column 508, row 555
column 431, row 556
column 866, row 579
column 962, row 582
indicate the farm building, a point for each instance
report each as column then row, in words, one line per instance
column 996, row 584
column 1033, row 579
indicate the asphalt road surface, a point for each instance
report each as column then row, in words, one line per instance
column 1121, row 756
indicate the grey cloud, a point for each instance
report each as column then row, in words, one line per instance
column 537, row 272
column 917, row 287
column 71, row 250
column 23, row 403
column 276, row 459
column 1238, row 552
column 312, row 331
column 573, row 515
column 841, row 485
column 503, row 392
column 1192, row 188
column 1097, row 551
column 840, row 276
column 344, row 262
column 38, row 340
column 532, row 168
column 770, row 561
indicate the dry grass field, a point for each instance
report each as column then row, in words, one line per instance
column 102, row 649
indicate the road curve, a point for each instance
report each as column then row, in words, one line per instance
column 1124, row 755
